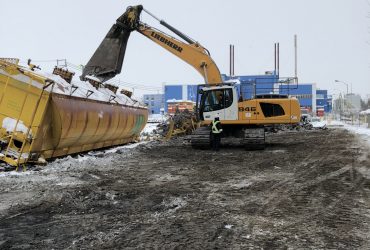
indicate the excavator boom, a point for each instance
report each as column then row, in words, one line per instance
column 108, row 58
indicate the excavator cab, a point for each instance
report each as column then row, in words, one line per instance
column 220, row 101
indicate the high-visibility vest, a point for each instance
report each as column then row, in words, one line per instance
column 215, row 130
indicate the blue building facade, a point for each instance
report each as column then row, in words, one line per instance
column 179, row 92
column 255, row 84
column 154, row 102
column 323, row 102
column 305, row 93
column 248, row 86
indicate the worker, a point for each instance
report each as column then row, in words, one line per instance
column 216, row 133
column 220, row 99
column 240, row 98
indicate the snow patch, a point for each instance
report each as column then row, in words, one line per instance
column 14, row 174
column 75, row 88
column 156, row 118
column 335, row 123
column 365, row 112
column 149, row 128
column 242, row 184
column 320, row 124
column 279, row 151
column 128, row 146
column 178, row 100
column 233, row 80
column 358, row 130
column 10, row 123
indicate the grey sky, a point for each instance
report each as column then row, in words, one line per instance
column 332, row 37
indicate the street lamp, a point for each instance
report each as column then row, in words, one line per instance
column 345, row 84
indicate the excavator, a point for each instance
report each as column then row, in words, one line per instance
column 241, row 119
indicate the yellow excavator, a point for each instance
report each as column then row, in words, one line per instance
column 243, row 119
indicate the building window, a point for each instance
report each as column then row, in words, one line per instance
column 304, row 96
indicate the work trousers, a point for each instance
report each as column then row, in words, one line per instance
column 215, row 141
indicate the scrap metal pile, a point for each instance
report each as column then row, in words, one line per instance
column 178, row 124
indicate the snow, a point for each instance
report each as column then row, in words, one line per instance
column 128, row 146
column 83, row 89
column 174, row 100
column 149, row 128
column 151, row 132
column 365, row 112
column 81, row 162
column 92, row 78
column 156, row 118
column 335, row 123
column 235, row 81
column 9, row 124
column 358, row 130
column 177, row 100
column 22, row 78
column 14, row 173
column 320, row 124
column 62, row 87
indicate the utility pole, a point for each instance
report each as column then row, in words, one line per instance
column 347, row 96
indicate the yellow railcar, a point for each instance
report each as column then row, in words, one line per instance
column 38, row 124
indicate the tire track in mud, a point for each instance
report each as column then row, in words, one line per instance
column 168, row 196
column 335, row 214
column 300, row 190
column 310, row 164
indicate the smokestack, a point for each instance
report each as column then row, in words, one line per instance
column 230, row 55
column 275, row 58
column 295, row 57
column 232, row 60
column 278, row 58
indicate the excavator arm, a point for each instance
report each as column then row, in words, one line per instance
column 108, row 58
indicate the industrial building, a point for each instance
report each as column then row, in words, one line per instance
column 312, row 100
column 354, row 102
column 255, row 84
column 185, row 92
column 154, row 102
column 305, row 93
column 323, row 103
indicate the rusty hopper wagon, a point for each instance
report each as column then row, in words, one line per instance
column 43, row 116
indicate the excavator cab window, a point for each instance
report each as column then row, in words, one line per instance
column 213, row 100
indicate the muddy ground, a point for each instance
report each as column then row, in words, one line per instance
column 307, row 190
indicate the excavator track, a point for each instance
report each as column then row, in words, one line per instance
column 254, row 138
column 200, row 138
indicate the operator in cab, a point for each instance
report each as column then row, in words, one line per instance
column 216, row 130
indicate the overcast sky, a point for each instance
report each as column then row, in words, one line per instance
column 333, row 37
